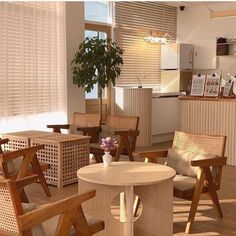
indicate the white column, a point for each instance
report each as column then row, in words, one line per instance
column 136, row 102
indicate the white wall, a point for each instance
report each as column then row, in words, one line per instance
column 74, row 36
column 194, row 23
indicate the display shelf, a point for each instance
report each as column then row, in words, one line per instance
column 226, row 49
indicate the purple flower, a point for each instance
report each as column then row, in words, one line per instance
column 108, row 144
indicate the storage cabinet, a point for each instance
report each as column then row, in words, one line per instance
column 176, row 56
column 204, row 54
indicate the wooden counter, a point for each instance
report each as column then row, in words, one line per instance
column 211, row 116
column 207, row 98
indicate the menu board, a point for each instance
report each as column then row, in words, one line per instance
column 228, row 88
column 198, row 83
column 212, row 85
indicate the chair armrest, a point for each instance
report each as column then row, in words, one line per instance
column 21, row 152
column 57, row 128
column 3, row 141
column 153, row 155
column 44, row 212
column 216, row 161
column 127, row 132
column 21, row 183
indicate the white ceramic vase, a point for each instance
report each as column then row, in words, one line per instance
column 107, row 158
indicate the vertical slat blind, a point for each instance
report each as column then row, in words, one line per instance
column 133, row 21
column 32, row 69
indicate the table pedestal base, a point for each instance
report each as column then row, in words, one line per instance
column 156, row 218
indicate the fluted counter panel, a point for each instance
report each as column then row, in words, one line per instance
column 136, row 102
column 211, row 117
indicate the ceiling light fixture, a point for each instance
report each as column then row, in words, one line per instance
column 157, row 37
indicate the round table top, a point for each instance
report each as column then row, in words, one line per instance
column 126, row 173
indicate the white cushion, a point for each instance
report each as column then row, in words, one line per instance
column 180, row 161
column 38, row 229
column 11, row 167
column 15, row 164
column 184, row 183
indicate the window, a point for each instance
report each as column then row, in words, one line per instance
column 142, row 59
column 32, row 69
column 94, row 93
column 98, row 11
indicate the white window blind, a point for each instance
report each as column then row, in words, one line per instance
column 32, row 65
column 141, row 59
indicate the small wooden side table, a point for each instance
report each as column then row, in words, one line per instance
column 65, row 153
column 153, row 183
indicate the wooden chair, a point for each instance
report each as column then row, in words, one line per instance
column 209, row 173
column 84, row 123
column 125, row 130
column 20, row 163
column 17, row 218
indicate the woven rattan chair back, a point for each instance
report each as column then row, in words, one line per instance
column 8, row 215
column 123, row 122
column 205, row 144
column 86, row 119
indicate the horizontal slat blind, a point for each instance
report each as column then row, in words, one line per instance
column 133, row 21
column 32, row 71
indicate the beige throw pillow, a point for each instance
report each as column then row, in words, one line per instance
column 180, row 161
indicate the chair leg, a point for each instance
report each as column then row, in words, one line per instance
column 23, row 196
column 128, row 149
column 195, row 200
column 212, row 192
column 39, row 172
column 96, row 157
column 119, row 149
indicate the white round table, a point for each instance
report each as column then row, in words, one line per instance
column 153, row 183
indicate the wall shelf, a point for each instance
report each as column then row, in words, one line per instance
column 226, row 49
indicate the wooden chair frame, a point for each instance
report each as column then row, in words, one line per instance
column 205, row 183
column 29, row 157
column 91, row 131
column 69, row 209
column 125, row 146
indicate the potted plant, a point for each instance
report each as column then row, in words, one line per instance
column 97, row 61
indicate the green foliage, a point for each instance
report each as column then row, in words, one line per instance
column 96, row 61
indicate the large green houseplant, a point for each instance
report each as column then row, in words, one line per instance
column 97, row 61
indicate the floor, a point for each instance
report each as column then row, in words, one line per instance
column 206, row 222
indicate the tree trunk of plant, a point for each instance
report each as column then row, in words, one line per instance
column 100, row 100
